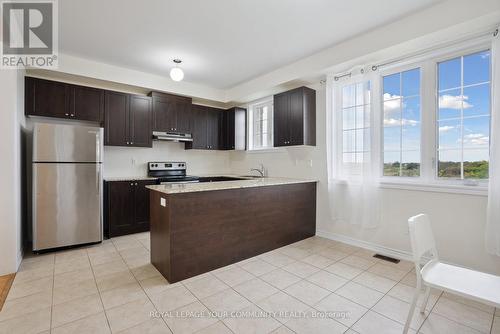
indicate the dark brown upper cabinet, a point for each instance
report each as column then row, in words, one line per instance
column 171, row 113
column 87, row 103
column 57, row 99
column 199, row 128
column 234, row 129
column 207, row 126
column 127, row 207
column 295, row 117
column 141, row 133
column 127, row 120
column 214, row 122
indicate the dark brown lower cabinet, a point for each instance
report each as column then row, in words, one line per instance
column 126, row 207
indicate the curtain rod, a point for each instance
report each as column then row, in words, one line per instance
column 376, row 67
column 337, row 77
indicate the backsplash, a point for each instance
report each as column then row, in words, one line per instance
column 130, row 161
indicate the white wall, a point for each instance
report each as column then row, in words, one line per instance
column 128, row 161
column 11, row 125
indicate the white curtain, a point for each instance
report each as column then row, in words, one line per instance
column 493, row 211
column 353, row 158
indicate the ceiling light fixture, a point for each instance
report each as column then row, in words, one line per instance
column 176, row 73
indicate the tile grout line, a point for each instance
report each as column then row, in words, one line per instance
column 52, row 292
column 208, row 308
column 301, row 279
column 371, row 308
column 416, row 308
column 251, row 302
column 283, row 290
column 139, row 282
column 323, row 269
column 99, row 291
column 454, row 321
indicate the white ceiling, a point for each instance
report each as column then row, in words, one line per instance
column 222, row 42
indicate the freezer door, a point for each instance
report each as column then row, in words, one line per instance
column 67, row 143
column 67, row 207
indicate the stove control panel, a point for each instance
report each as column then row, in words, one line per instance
column 162, row 165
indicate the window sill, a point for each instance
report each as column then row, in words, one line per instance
column 479, row 190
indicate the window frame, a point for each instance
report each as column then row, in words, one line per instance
column 250, row 121
column 353, row 171
column 429, row 108
column 449, row 56
column 386, row 72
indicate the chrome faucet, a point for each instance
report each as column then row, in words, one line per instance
column 262, row 171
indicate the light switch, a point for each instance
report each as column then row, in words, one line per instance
column 163, row 202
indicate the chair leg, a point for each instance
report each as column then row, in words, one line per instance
column 412, row 309
column 426, row 299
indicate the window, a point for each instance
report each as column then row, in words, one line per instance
column 261, row 125
column 355, row 107
column 433, row 115
column 463, row 117
column 401, row 128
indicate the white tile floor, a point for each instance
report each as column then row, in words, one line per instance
column 112, row 287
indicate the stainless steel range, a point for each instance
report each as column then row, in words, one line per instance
column 170, row 172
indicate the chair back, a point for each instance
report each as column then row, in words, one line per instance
column 421, row 236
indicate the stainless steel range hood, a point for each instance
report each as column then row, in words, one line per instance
column 172, row 136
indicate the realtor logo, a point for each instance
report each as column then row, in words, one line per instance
column 29, row 34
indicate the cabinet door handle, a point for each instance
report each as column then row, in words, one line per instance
column 66, row 114
column 131, row 143
column 136, row 183
column 127, row 143
column 132, row 184
column 72, row 115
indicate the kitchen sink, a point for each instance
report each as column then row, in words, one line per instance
column 221, row 178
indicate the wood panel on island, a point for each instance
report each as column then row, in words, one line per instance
column 196, row 232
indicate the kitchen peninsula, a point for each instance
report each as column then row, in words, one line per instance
column 199, row 227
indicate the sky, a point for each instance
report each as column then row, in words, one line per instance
column 402, row 110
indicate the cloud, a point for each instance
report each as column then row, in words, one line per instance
column 485, row 55
column 476, row 139
column 391, row 102
column 454, row 102
column 395, row 122
column 446, row 128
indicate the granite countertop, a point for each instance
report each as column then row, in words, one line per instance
column 128, row 178
column 222, row 185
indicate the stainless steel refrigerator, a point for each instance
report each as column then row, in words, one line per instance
column 67, row 185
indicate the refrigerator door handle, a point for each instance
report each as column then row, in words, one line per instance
column 98, row 178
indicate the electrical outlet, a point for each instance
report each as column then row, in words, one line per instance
column 134, row 162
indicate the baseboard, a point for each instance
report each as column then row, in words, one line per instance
column 395, row 253
column 20, row 256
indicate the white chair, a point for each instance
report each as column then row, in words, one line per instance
column 471, row 284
